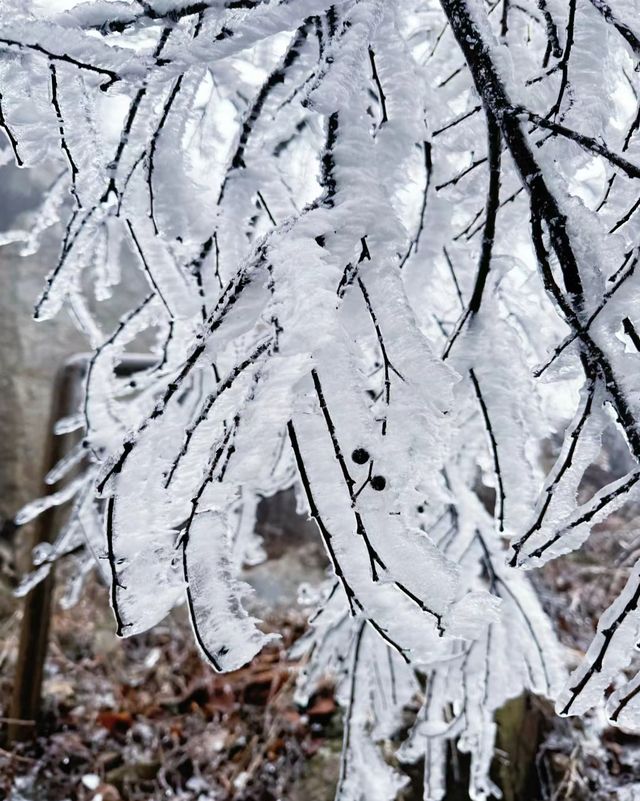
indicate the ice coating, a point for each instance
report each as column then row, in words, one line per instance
column 377, row 251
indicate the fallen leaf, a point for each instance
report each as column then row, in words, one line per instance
column 115, row 722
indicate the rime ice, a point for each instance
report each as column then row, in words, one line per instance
column 383, row 249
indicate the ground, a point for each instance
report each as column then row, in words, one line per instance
column 146, row 718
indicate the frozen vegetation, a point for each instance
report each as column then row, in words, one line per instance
column 389, row 247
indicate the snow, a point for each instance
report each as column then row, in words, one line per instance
column 307, row 235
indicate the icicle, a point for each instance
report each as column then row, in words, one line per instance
column 36, row 508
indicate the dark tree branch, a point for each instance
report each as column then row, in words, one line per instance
column 627, row 140
column 630, row 331
column 148, row 271
column 624, row 30
column 315, row 514
column 122, row 22
column 457, row 121
column 221, row 388
column 346, row 738
column 381, row 94
column 67, row 246
column 9, row 134
column 183, row 542
column 560, row 469
column 428, row 168
column 351, row 270
column 544, row 205
column 552, row 30
column 454, row 278
column 592, row 355
column 586, row 142
column 115, row 580
column 225, row 303
column 497, row 104
column 469, row 226
column 112, row 187
column 492, row 206
column 374, row 558
column 494, row 448
column 63, row 141
column 421, row 604
column 385, row 636
column 153, row 144
column 387, row 365
column 591, row 511
column 626, row 217
column 38, row 48
column 496, row 582
column 327, row 164
column 504, row 19
column 264, row 205
column 122, row 325
column 451, row 76
column 583, row 329
column 623, row 702
column 453, row 181
column 607, row 635
column 275, row 79
column 564, row 61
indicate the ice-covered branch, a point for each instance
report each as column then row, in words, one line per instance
column 376, row 251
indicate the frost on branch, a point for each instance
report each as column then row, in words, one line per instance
column 378, row 251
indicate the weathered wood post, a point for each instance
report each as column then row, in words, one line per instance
column 34, row 631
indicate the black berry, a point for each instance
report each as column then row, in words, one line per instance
column 378, row 483
column 360, row 456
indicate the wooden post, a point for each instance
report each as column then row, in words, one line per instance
column 520, row 728
column 34, row 631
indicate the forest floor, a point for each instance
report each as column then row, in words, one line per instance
column 146, row 719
